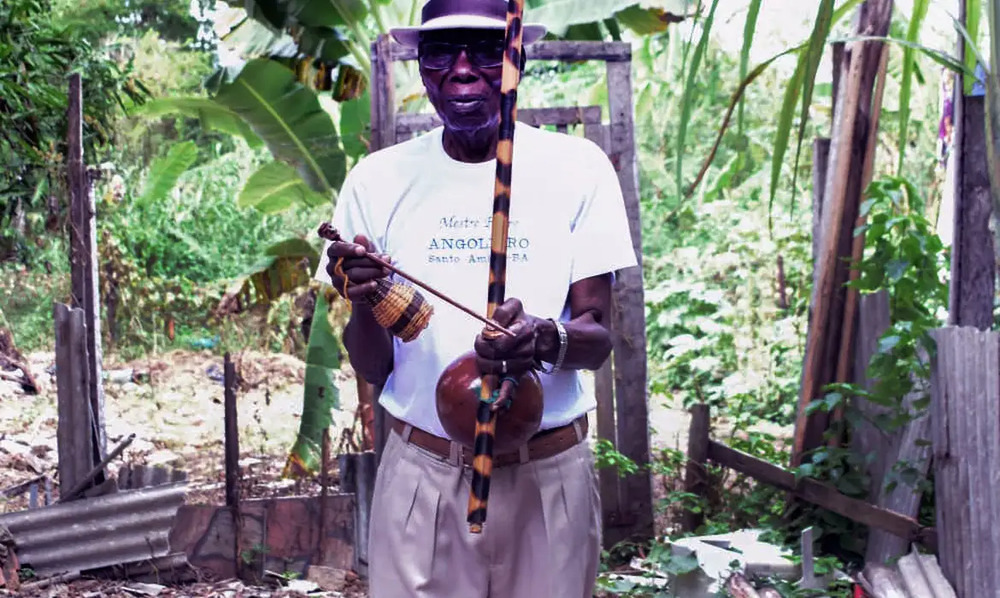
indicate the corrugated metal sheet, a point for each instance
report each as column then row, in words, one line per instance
column 96, row 532
column 914, row 575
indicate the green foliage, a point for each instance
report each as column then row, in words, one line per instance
column 164, row 172
column 320, row 394
column 277, row 187
column 909, row 65
column 716, row 331
column 102, row 19
column 562, row 16
column 36, row 57
column 686, row 98
column 904, row 257
column 174, row 257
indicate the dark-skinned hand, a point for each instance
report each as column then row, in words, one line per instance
column 360, row 270
column 518, row 352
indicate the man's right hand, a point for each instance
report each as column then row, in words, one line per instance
column 360, row 270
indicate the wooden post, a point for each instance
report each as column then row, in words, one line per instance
column 383, row 111
column 74, row 427
column 610, row 481
column 232, row 443
column 695, row 474
column 973, row 265
column 965, row 385
column 628, row 317
column 83, row 262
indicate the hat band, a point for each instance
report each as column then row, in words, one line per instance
column 463, row 22
column 435, row 9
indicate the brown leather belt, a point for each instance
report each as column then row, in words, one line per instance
column 546, row 443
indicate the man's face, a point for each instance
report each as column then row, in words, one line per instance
column 461, row 70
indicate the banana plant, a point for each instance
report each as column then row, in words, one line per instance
column 266, row 104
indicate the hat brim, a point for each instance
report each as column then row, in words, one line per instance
column 410, row 36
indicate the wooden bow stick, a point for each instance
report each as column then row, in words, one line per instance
column 486, row 415
column 328, row 232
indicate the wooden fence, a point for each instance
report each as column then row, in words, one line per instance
column 965, row 420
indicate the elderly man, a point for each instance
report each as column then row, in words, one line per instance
column 426, row 204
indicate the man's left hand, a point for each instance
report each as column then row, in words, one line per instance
column 507, row 355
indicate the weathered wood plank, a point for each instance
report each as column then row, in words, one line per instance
column 887, row 447
column 383, row 111
column 74, row 434
column 904, row 499
column 383, row 95
column 610, row 483
column 922, row 578
column 821, row 494
column 965, row 378
column 628, row 316
column 821, row 157
column 867, row 439
column 83, row 261
column 973, row 260
column 407, row 124
column 841, row 202
column 609, row 480
column 552, row 50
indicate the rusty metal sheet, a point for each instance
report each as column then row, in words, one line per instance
column 97, row 532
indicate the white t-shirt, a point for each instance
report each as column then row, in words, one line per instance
column 432, row 215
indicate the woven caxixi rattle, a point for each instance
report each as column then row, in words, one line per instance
column 398, row 307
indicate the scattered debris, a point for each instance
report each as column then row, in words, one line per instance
column 330, row 579
column 97, row 588
column 719, row 556
column 914, row 576
column 738, row 587
column 9, row 565
column 145, row 589
column 12, row 360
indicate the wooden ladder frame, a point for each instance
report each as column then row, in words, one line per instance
column 620, row 384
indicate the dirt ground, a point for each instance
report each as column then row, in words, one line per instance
column 176, row 412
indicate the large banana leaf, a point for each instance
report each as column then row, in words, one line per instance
column 288, row 117
column 909, row 64
column 355, row 125
column 253, row 38
column 321, row 394
column 166, row 170
column 213, row 116
column 315, row 16
column 559, row 15
column 327, row 13
column 275, row 187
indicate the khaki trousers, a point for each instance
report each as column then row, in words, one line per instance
column 541, row 539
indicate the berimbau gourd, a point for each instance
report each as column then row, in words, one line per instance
column 468, row 404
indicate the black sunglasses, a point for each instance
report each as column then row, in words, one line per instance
column 442, row 55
